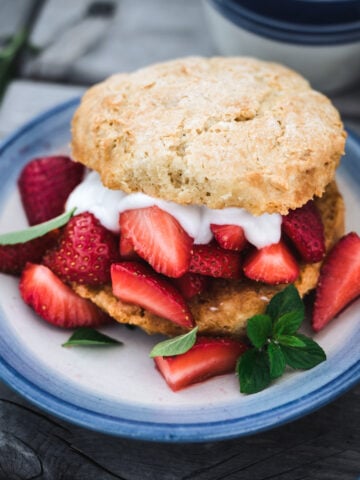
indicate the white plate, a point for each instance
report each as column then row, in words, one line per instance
column 117, row 390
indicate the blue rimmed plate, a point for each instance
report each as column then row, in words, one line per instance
column 117, row 390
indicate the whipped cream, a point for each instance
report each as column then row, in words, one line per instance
column 91, row 195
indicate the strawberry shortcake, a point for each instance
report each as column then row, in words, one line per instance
column 218, row 177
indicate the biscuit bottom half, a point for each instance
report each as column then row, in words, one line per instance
column 227, row 304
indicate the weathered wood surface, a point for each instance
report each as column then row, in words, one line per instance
column 324, row 445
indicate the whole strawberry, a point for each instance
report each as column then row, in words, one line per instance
column 45, row 184
column 13, row 258
column 84, row 252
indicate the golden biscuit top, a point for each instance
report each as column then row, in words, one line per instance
column 220, row 132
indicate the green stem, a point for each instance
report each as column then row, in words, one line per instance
column 8, row 56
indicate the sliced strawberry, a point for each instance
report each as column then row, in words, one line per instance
column 230, row 237
column 272, row 265
column 84, row 252
column 158, row 238
column 13, row 258
column 135, row 283
column 339, row 281
column 305, row 229
column 191, row 284
column 127, row 251
column 45, row 184
column 214, row 261
column 55, row 302
column 207, row 358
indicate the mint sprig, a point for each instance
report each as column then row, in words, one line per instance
column 305, row 357
column 22, row 236
column 87, row 337
column 176, row 345
column 276, row 343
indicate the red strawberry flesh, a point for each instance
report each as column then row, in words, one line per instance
column 84, row 252
column 273, row 264
column 216, row 262
column 45, row 184
column 339, row 282
column 209, row 357
column 55, row 302
column 127, row 251
column 191, row 284
column 305, row 229
column 135, row 283
column 229, row 237
column 158, row 238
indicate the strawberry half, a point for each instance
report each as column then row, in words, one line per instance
column 13, row 258
column 135, row 283
column 273, row 264
column 158, row 238
column 191, row 284
column 55, row 302
column 84, row 252
column 45, row 184
column 214, row 261
column 207, row 358
column 339, row 281
column 305, row 229
column 229, row 237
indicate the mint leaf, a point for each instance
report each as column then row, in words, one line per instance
column 175, row 346
column 253, row 371
column 276, row 343
column 289, row 323
column 276, row 360
column 36, row 231
column 259, row 329
column 288, row 300
column 89, row 337
column 290, row 341
column 306, row 357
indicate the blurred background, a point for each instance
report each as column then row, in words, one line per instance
column 51, row 50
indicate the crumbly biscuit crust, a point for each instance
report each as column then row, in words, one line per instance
column 219, row 132
column 226, row 306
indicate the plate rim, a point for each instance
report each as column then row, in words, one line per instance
column 177, row 433
column 168, row 432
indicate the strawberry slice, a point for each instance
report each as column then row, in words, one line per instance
column 55, row 302
column 13, row 258
column 207, row 358
column 339, row 281
column 305, row 229
column 191, row 284
column 45, row 184
column 127, row 251
column 272, row 265
column 84, row 252
column 214, row 261
column 135, row 283
column 158, row 238
column 230, row 237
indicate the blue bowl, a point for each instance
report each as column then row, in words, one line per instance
column 318, row 38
